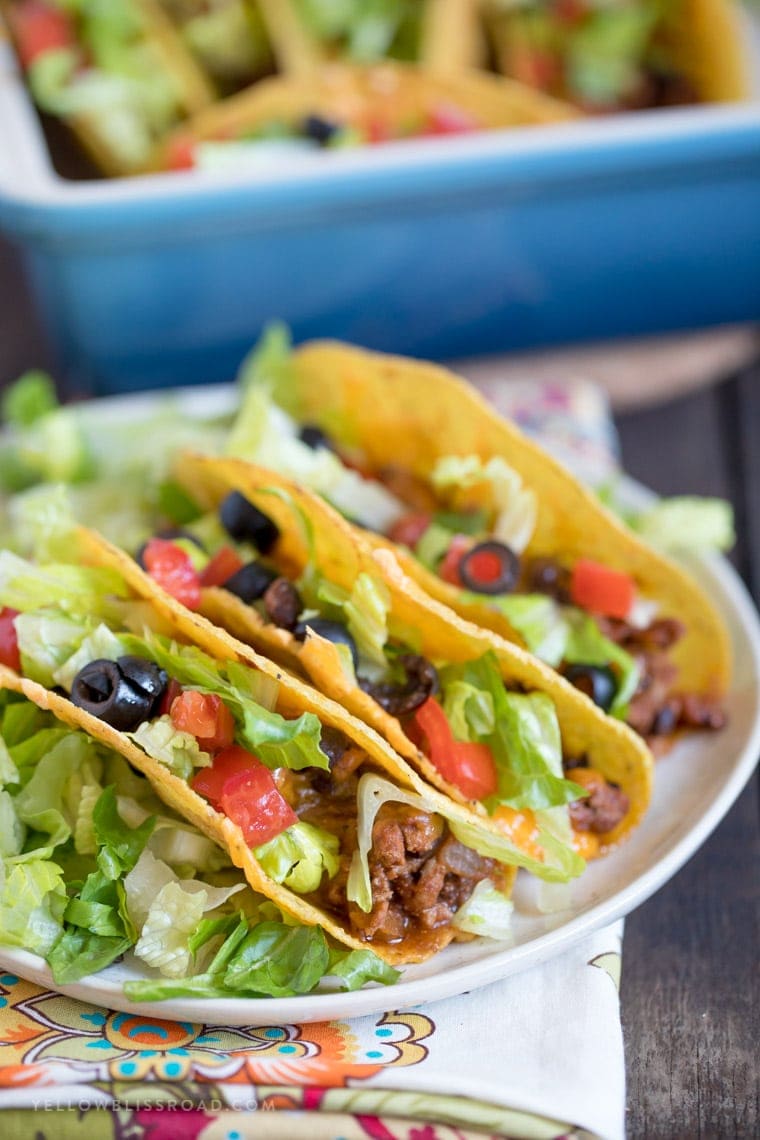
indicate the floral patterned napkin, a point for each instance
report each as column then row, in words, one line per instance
column 537, row 1056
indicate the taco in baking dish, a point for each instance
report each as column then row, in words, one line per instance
column 95, row 865
column 344, row 105
column 475, row 716
column 443, row 34
column 623, row 56
column 114, row 71
column 323, row 817
column 484, row 521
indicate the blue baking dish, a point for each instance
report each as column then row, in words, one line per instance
column 439, row 248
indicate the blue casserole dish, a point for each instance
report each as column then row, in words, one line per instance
column 439, row 248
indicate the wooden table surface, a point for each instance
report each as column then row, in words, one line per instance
column 690, row 995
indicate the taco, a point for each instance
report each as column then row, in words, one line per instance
column 227, row 38
column 442, row 34
column 485, row 522
column 607, row 57
column 475, row 716
column 95, row 865
column 318, row 811
column 344, row 105
column 117, row 74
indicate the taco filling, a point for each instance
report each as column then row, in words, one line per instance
column 494, row 746
column 392, row 865
column 469, row 526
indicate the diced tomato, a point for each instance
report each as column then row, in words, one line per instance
column 409, row 529
column 377, row 130
column 251, row 800
column 448, row 119
column 180, row 153
column 210, row 781
column 9, row 654
column 206, row 717
column 469, row 766
column 449, row 568
column 571, row 11
column 602, row 590
column 38, row 28
column 171, row 567
column 172, row 691
column 535, row 67
column 221, row 567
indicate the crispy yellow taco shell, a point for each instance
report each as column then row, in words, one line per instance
column 402, row 411
column 338, row 552
column 294, row 698
column 389, row 96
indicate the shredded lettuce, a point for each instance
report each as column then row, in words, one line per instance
column 559, row 634
column 178, row 751
column 277, row 741
column 32, row 903
column 524, row 735
column 299, row 857
column 266, row 433
column 487, row 913
column 687, row 522
column 495, row 485
column 587, row 645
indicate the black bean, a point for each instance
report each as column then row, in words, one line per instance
column 250, row 581
column 246, row 523
column 282, row 603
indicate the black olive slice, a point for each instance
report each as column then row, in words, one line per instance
column 100, row 688
column 246, row 523
column 319, row 129
column 250, row 581
column 333, row 631
column 170, row 534
column 596, row 681
column 489, row 568
column 399, row 700
column 145, row 675
column 314, row 437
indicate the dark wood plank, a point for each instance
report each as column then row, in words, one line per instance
column 690, row 1001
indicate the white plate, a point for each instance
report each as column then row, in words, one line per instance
column 695, row 786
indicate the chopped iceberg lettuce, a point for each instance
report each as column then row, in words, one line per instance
column 299, row 856
column 487, row 913
column 494, row 485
